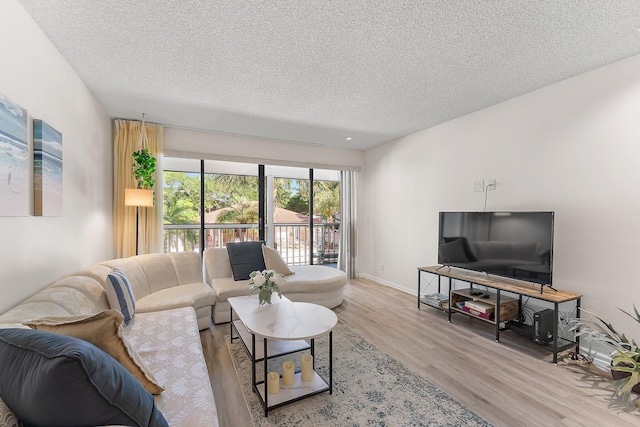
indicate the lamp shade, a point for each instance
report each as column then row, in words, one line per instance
column 138, row 197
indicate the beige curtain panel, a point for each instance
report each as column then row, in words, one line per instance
column 128, row 138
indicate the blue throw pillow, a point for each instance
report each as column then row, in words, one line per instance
column 54, row 380
column 120, row 295
column 245, row 257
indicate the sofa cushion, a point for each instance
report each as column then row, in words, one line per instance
column 226, row 288
column 68, row 296
column 56, row 380
column 273, row 261
column 245, row 257
column 194, row 295
column 119, row 294
column 188, row 266
column 104, row 330
column 137, row 276
column 170, row 344
column 159, row 271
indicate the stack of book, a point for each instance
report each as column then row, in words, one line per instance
column 436, row 300
column 480, row 309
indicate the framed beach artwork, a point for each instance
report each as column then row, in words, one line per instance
column 14, row 159
column 47, row 170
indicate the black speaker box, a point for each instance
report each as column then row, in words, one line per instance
column 541, row 332
column 543, row 326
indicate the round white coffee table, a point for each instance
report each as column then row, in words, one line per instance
column 292, row 321
column 286, row 321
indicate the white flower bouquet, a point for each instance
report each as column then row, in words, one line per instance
column 265, row 283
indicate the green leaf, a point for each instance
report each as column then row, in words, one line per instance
column 144, row 166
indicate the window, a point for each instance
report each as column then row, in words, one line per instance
column 228, row 208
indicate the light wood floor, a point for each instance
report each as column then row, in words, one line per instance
column 510, row 383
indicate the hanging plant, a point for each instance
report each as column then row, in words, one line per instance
column 144, row 166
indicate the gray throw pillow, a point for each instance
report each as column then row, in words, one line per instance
column 56, row 380
column 245, row 257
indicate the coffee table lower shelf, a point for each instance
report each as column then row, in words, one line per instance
column 292, row 393
column 300, row 389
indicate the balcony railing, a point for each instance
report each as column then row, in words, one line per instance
column 291, row 240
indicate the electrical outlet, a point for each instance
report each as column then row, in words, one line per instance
column 478, row 186
column 382, row 268
column 491, row 185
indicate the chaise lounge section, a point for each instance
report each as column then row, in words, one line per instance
column 309, row 283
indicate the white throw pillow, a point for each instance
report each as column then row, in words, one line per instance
column 273, row 261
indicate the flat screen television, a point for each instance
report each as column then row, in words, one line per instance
column 517, row 245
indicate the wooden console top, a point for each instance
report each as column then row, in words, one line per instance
column 521, row 288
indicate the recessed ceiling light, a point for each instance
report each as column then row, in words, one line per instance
column 349, row 138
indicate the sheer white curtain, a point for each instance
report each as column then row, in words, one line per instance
column 347, row 253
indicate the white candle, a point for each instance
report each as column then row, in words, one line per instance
column 273, row 382
column 287, row 372
column 307, row 367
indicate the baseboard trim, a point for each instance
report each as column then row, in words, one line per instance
column 387, row 283
column 600, row 360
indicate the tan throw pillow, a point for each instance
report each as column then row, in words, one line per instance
column 104, row 330
column 273, row 261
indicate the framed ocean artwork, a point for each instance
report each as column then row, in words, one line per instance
column 47, row 170
column 14, row 159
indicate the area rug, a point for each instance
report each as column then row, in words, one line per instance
column 370, row 388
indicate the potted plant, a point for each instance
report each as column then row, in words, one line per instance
column 624, row 352
column 144, row 166
column 265, row 283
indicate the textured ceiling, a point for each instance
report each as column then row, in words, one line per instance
column 317, row 72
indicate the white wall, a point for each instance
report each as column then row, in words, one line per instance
column 573, row 147
column 239, row 148
column 36, row 251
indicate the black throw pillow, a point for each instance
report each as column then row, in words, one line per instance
column 245, row 257
column 49, row 379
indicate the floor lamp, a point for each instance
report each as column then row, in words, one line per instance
column 139, row 198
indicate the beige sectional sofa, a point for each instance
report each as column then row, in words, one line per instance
column 172, row 305
column 309, row 283
column 163, row 281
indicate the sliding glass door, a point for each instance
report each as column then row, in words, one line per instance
column 303, row 219
column 287, row 227
column 326, row 214
column 230, row 202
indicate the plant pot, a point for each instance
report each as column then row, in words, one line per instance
column 617, row 375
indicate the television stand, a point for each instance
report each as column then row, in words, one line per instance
column 500, row 308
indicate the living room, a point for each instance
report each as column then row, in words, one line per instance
column 570, row 147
